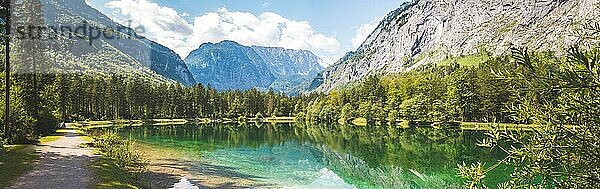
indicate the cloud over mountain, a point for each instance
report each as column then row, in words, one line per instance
column 168, row 27
column 364, row 31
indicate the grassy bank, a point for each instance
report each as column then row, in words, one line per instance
column 15, row 160
column 120, row 165
column 472, row 126
column 100, row 124
column 476, row 126
column 109, row 175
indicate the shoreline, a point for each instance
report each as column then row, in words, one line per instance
column 167, row 166
column 181, row 121
column 465, row 126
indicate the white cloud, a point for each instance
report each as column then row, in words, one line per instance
column 266, row 4
column 169, row 28
column 162, row 24
column 330, row 60
column 364, row 31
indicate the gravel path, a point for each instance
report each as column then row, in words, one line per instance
column 63, row 164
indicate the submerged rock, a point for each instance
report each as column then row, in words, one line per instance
column 327, row 179
column 184, row 183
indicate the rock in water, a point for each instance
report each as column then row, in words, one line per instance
column 326, row 179
column 184, row 183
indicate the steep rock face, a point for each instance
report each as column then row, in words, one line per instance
column 127, row 55
column 229, row 65
column 428, row 31
column 290, row 67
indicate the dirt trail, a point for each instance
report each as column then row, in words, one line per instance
column 62, row 164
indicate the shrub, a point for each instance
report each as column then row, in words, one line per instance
column 121, row 151
column 561, row 95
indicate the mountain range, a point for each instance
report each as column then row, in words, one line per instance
column 228, row 65
column 135, row 56
column 420, row 32
column 425, row 32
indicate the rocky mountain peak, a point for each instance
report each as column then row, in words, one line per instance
column 228, row 65
column 424, row 32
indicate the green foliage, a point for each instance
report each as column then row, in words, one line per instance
column 121, row 166
column 414, row 108
column 120, row 151
column 466, row 61
column 474, row 173
column 558, row 93
column 561, row 94
column 437, row 94
column 347, row 112
column 130, row 98
column 37, row 107
column 21, row 127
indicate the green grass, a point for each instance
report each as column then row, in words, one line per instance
column 164, row 121
column 50, row 138
column 109, row 175
column 277, row 120
column 360, row 121
column 502, row 126
column 466, row 61
column 87, row 139
column 58, row 134
column 92, row 123
column 14, row 161
column 64, row 131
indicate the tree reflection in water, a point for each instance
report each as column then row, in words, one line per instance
column 386, row 157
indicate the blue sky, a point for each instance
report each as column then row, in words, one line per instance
column 327, row 27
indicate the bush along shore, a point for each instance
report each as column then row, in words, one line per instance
column 121, row 166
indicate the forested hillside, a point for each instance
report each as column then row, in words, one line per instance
column 454, row 92
column 557, row 93
column 423, row 32
column 58, row 36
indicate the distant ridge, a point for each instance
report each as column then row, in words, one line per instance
column 228, row 65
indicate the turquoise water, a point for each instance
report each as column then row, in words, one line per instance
column 327, row 156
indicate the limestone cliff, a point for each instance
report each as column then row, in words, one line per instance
column 429, row 31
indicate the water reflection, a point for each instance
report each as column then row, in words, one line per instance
column 366, row 157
